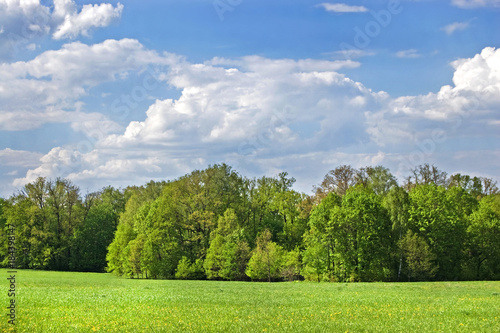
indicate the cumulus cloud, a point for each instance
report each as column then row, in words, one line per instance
column 475, row 3
column 342, row 8
column 75, row 23
column 265, row 115
column 472, row 101
column 444, row 127
column 23, row 22
column 455, row 26
column 46, row 89
column 228, row 109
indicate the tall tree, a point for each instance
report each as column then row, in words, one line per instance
column 229, row 252
column 397, row 203
column 92, row 238
column 361, row 229
column 426, row 174
column 489, row 186
column 267, row 259
column 471, row 184
column 439, row 218
column 418, row 257
column 484, row 239
column 338, row 180
column 381, row 180
column 319, row 241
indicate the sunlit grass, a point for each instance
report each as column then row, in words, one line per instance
column 85, row 302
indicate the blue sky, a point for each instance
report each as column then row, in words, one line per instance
column 122, row 92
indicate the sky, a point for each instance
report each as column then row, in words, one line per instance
column 120, row 93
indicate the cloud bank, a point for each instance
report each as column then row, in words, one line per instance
column 259, row 115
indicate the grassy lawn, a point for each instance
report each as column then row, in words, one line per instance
column 86, row 302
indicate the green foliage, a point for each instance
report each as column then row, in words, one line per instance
column 229, row 252
column 360, row 228
column 438, row 216
column 189, row 271
column 418, row 257
column 92, row 238
column 292, row 265
column 316, row 257
column 214, row 223
column 267, row 259
column 484, row 240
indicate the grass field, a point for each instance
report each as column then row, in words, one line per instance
column 86, row 302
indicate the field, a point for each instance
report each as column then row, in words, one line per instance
column 86, row 302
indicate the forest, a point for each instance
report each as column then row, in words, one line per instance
column 357, row 225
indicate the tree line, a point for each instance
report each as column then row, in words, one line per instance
column 359, row 225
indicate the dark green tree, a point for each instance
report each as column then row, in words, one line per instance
column 92, row 238
column 418, row 257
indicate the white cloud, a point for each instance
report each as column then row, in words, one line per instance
column 19, row 158
column 475, row 3
column 455, row 26
column 411, row 53
column 265, row 115
column 342, row 8
column 456, row 110
column 480, row 74
column 26, row 21
column 46, row 89
column 351, row 54
column 90, row 16
column 229, row 109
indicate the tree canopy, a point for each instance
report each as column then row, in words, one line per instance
column 359, row 225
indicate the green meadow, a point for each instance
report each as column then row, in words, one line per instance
column 87, row 302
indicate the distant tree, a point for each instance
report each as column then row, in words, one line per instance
column 292, row 265
column 418, row 257
column 338, row 180
column 114, row 198
column 397, row 203
column 138, row 201
column 267, row 259
column 471, row 184
column 136, row 248
column 186, row 270
column 489, row 186
column 380, row 180
column 361, row 229
column 92, row 238
column 426, row 174
column 316, row 256
column 484, row 238
column 215, row 261
column 319, row 241
column 439, row 217
column 236, row 254
column 229, row 253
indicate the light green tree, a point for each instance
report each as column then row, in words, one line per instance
column 484, row 239
column 267, row 259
